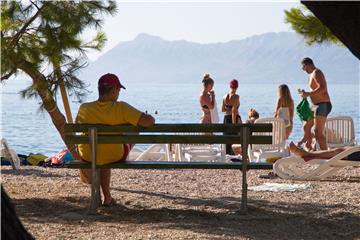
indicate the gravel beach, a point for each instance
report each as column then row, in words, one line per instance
column 183, row 204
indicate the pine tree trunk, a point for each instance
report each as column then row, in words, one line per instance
column 42, row 87
column 64, row 96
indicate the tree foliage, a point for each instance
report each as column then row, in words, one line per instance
column 41, row 38
column 307, row 24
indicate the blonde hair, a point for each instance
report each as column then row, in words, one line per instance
column 207, row 80
column 284, row 96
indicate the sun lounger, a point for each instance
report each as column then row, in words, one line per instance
column 298, row 168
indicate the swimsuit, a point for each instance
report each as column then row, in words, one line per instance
column 353, row 157
column 228, row 106
column 323, row 109
column 228, row 119
column 206, row 118
column 284, row 114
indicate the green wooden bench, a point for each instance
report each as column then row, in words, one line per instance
column 94, row 134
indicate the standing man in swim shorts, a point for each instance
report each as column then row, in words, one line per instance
column 320, row 98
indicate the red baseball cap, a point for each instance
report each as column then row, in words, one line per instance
column 110, row 79
column 234, row 83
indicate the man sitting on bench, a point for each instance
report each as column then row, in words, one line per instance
column 107, row 110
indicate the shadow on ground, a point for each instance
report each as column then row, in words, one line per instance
column 296, row 221
column 36, row 171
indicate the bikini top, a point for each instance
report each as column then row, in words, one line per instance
column 228, row 106
column 205, row 106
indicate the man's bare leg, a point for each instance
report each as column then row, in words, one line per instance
column 308, row 134
column 318, row 154
column 307, row 138
column 319, row 132
column 105, row 175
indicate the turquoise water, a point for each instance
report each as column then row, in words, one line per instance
column 30, row 131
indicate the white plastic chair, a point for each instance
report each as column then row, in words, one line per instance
column 296, row 168
column 339, row 131
column 155, row 152
column 199, row 152
column 277, row 149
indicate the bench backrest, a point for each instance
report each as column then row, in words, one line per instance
column 169, row 133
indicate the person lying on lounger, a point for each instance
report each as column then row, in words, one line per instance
column 323, row 154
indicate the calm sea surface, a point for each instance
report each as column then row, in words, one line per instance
column 29, row 131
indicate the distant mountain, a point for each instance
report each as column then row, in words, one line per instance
column 265, row 58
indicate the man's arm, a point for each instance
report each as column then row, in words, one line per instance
column 320, row 81
column 146, row 120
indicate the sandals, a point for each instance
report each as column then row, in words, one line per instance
column 270, row 175
column 236, row 159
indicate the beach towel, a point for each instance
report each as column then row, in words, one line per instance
column 59, row 159
column 36, row 159
column 280, row 187
column 214, row 114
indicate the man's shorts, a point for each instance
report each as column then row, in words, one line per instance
column 127, row 149
column 323, row 109
column 353, row 157
column 85, row 174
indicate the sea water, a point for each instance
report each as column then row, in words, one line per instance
column 29, row 131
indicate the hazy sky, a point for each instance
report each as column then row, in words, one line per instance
column 198, row 21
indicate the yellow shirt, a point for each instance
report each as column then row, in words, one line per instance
column 111, row 113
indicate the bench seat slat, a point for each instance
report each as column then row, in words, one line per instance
column 184, row 127
column 141, row 139
column 172, row 165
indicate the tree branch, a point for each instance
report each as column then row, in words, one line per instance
column 17, row 36
column 6, row 76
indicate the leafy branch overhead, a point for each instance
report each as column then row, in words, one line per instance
column 305, row 23
column 46, row 38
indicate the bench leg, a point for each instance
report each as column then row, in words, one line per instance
column 244, row 209
column 245, row 134
column 95, row 192
column 95, row 173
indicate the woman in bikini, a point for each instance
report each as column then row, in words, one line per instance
column 207, row 98
column 230, row 106
column 285, row 108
